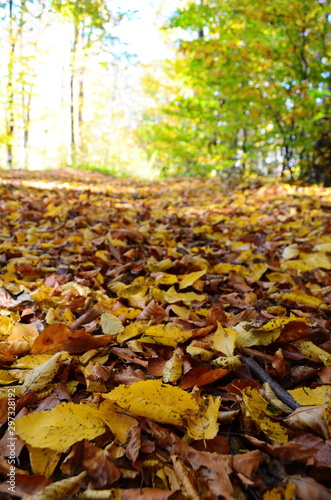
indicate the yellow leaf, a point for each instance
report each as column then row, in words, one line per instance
column 290, row 251
column 88, row 234
column 114, row 417
column 110, row 324
column 224, row 267
column 169, row 334
column 311, row 397
column 154, row 266
column 200, row 353
column 21, row 331
column 304, row 298
column 256, row 271
column 155, row 400
column 172, row 296
column 32, row 361
column 138, row 286
column 189, row 279
column 173, row 368
column 132, row 330
column 279, row 277
column 43, row 460
column 323, row 247
column 102, row 255
column 6, row 325
column 128, row 312
column 281, row 493
column 61, row 489
column 250, row 337
column 308, row 261
column 60, row 427
column 166, row 279
column 257, row 410
column 314, row 352
column 38, row 378
column 181, row 311
column 75, row 288
column 204, row 425
column 230, row 362
column 6, row 377
column 224, row 340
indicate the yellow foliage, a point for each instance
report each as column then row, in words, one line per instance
column 60, row 427
column 155, row 400
column 257, row 409
column 169, row 334
column 43, row 460
column 110, row 324
column 189, row 279
column 204, row 425
column 172, row 296
column 314, row 352
column 308, row 397
column 224, row 340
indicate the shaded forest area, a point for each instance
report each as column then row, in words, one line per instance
column 164, row 340
column 247, row 90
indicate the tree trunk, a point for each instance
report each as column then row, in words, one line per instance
column 73, row 136
column 10, row 119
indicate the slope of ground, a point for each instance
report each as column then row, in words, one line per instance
column 166, row 340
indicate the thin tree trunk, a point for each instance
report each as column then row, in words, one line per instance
column 72, row 98
column 10, row 119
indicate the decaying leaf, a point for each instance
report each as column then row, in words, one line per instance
column 257, row 410
column 204, row 425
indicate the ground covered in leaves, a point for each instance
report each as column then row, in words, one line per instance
column 166, row 340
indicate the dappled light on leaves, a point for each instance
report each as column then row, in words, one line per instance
column 165, row 339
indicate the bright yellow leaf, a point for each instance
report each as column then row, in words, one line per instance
column 119, row 423
column 133, row 330
column 60, row 427
column 314, row 352
column 155, row 400
column 204, row 425
column 311, row 397
column 172, row 296
column 43, row 460
column 304, row 298
column 166, row 279
column 224, row 340
column 169, row 334
column 173, row 368
column 257, row 410
column 6, row 377
column 189, row 279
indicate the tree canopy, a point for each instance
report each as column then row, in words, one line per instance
column 250, row 88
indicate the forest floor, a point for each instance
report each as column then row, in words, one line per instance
column 164, row 340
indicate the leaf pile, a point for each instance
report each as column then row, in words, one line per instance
column 150, row 332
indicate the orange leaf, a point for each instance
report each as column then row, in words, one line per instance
column 58, row 337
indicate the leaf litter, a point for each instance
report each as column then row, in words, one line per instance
column 165, row 340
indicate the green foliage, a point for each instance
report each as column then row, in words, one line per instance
column 249, row 87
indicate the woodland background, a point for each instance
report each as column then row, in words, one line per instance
column 247, row 88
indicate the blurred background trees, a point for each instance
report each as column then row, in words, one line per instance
column 248, row 89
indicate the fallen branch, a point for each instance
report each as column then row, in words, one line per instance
column 283, row 395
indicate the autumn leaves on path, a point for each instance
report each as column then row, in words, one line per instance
column 128, row 314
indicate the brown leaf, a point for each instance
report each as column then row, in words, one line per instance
column 58, row 337
column 99, row 466
column 202, row 376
